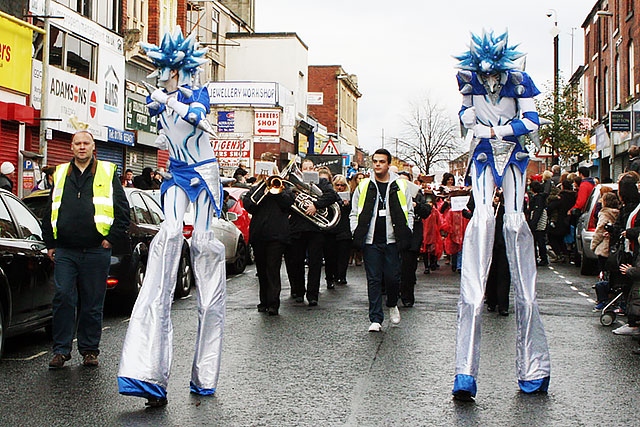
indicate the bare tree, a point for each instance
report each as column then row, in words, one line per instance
column 429, row 136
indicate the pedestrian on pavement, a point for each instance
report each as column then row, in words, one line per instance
column 559, row 222
column 145, row 181
column 307, row 241
column 584, row 191
column 6, row 169
column 88, row 213
column 409, row 257
column 337, row 240
column 634, row 159
column 127, row 179
column 381, row 219
column 538, row 219
column 269, row 236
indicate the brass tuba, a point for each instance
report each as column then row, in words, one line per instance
column 305, row 194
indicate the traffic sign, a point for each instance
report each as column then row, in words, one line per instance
column 329, row 148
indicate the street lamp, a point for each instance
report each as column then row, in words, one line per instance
column 556, row 76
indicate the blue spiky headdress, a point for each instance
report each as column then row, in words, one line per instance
column 489, row 54
column 175, row 53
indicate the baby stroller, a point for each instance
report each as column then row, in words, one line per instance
column 612, row 308
column 613, row 286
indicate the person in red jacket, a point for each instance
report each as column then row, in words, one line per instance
column 586, row 185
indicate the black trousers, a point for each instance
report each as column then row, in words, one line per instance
column 409, row 264
column 499, row 281
column 307, row 244
column 336, row 258
column 268, row 257
column 541, row 244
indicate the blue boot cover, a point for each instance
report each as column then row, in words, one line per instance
column 133, row 387
column 534, row 386
column 201, row 391
column 464, row 382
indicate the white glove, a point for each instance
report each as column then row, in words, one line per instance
column 482, row 131
column 468, row 118
column 160, row 96
column 178, row 107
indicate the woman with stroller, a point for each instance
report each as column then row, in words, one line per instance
column 627, row 226
column 600, row 242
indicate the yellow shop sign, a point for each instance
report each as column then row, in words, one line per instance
column 15, row 55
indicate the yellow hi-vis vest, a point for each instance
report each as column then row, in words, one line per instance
column 102, row 195
column 402, row 197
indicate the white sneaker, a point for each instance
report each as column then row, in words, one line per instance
column 375, row 327
column 394, row 315
column 627, row 330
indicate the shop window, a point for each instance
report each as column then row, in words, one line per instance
column 68, row 52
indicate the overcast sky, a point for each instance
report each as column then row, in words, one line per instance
column 401, row 50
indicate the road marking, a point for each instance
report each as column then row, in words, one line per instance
column 23, row 359
column 568, row 282
column 561, row 276
column 186, row 297
column 555, row 272
column 126, row 320
column 573, row 288
column 583, row 294
column 591, row 300
column 106, row 327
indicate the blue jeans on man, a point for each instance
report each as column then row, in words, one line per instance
column 80, row 280
column 381, row 263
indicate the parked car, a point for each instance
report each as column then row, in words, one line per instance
column 243, row 222
column 586, row 227
column 225, row 230
column 26, row 272
column 129, row 258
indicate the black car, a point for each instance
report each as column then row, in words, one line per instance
column 129, row 257
column 26, row 272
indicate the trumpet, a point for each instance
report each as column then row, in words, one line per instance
column 274, row 185
column 305, row 194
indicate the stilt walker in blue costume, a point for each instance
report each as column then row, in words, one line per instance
column 181, row 107
column 498, row 110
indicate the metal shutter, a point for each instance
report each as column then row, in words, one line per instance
column 140, row 157
column 9, row 147
column 59, row 149
column 111, row 152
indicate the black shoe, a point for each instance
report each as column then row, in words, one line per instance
column 342, row 282
column 262, row 308
column 272, row 311
column 331, row 285
column 154, row 402
column 408, row 304
column 463, row 396
column 427, row 271
column 503, row 312
column 313, row 303
column 299, row 299
column 543, row 263
column 58, row 360
column 491, row 308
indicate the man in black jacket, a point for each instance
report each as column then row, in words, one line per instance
column 88, row 214
column 409, row 257
column 269, row 236
column 307, row 240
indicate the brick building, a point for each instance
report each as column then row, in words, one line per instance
column 612, row 80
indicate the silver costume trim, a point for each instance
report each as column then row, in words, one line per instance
column 148, row 346
column 532, row 353
column 209, row 269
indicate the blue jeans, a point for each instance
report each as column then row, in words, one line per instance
column 80, row 277
column 381, row 263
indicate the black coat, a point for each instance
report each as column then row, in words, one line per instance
column 421, row 211
column 76, row 225
column 557, row 208
column 269, row 219
column 299, row 224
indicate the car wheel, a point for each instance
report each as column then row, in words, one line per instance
column 138, row 279
column 1, row 330
column 185, row 277
column 587, row 267
column 251, row 259
column 240, row 262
